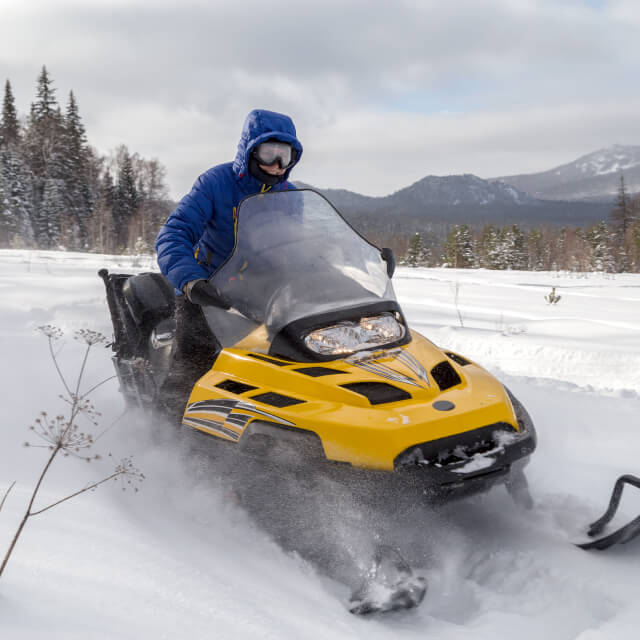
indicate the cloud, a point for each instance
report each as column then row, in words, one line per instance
column 389, row 151
column 403, row 87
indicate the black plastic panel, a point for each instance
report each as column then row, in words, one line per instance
column 378, row 392
column 235, row 387
column 317, row 372
column 278, row 363
column 276, row 399
column 445, row 375
column 455, row 450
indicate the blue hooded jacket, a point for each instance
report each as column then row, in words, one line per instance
column 200, row 234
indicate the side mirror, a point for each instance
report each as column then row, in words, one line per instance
column 389, row 258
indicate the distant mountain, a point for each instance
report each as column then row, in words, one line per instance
column 462, row 190
column 595, row 176
column 440, row 201
column 437, row 191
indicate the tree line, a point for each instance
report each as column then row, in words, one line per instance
column 57, row 192
column 611, row 246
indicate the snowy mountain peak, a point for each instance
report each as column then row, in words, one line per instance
column 595, row 175
column 615, row 159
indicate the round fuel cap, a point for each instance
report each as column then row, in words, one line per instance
column 443, row 405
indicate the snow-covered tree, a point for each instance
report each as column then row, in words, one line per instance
column 9, row 126
column 416, row 254
column 490, row 249
column 458, row 249
column 513, row 248
column 601, row 242
column 537, row 252
column 16, row 200
column 76, row 157
column 42, row 146
column 126, row 200
column 43, row 152
column 51, row 221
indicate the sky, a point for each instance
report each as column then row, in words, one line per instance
column 382, row 92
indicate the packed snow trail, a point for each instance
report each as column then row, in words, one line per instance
column 185, row 557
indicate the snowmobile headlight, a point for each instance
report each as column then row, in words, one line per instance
column 355, row 335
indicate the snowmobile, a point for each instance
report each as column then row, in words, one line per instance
column 318, row 365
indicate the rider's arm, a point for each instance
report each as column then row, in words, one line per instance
column 181, row 232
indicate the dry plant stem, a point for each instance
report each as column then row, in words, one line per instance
column 28, row 511
column 95, row 386
column 84, row 362
column 6, row 493
column 77, row 493
column 75, row 409
column 64, row 439
column 113, row 424
column 55, row 362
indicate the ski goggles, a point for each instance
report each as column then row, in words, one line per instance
column 272, row 151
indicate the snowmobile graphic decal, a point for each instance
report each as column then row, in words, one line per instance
column 200, row 416
column 372, row 364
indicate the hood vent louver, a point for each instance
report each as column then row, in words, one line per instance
column 235, row 387
column 278, row 363
column 378, row 392
column 445, row 375
column 276, row 399
column 317, row 372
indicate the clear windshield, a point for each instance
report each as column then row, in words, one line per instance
column 295, row 257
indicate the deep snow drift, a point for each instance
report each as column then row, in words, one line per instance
column 182, row 559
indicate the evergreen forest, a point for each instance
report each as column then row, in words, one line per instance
column 610, row 246
column 57, row 192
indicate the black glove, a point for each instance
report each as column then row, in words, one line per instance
column 389, row 258
column 203, row 293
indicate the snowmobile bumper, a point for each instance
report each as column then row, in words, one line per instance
column 468, row 463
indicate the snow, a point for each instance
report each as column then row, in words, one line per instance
column 182, row 559
column 606, row 161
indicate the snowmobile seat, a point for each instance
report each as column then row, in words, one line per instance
column 150, row 298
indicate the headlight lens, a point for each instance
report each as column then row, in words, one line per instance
column 350, row 336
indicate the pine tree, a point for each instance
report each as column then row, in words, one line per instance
column 44, row 129
column 458, row 249
column 126, row 200
column 43, row 151
column 415, row 254
column 76, row 158
column 490, row 248
column 15, row 200
column 101, row 236
column 535, row 250
column 15, row 179
column 601, row 244
column 9, row 127
column 622, row 212
column 53, row 230
column 513, row 248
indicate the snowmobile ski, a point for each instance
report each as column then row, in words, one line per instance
column 389, row 585
column 622, row 535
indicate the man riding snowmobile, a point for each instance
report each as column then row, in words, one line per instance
column 200, row 234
